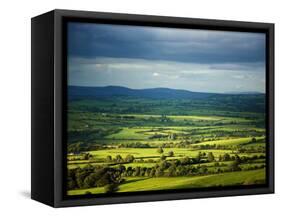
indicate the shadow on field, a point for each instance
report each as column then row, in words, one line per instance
column 135, row 180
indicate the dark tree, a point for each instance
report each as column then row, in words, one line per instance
column 110, row 188
column 108, row 158
column 159, row 172
column 137, row 171
column 129, row 158
column 199, row 157
column 170, row 154
column 234, row 166
column 163, row 157
column 152, row 172
column 90, row 181
column 185, row 161
column 119, row 158
column 129, row 171
column 172, row 170
column 226, row 157
column 160, row 150
column 210, row 157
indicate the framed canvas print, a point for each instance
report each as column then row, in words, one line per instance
column 133, row 108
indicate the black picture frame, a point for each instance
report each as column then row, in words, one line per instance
column 49, row 80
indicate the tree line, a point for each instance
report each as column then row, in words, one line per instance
column 111, row 177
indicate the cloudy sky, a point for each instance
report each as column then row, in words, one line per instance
column 149, row 57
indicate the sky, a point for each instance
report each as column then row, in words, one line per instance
column 141, row 57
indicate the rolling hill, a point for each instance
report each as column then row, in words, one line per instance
column 78, row 92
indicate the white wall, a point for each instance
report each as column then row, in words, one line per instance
column 15, row 106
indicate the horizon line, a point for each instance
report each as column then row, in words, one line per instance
column 227, row 92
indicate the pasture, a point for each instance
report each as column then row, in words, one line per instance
column 129, row 145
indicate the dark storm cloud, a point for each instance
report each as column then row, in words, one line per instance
column 197, row 46
column 148, row 57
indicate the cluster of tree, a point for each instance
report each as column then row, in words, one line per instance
column 158, row 136
column 98, row 177
column 77, row 147
column 124, row 117
column 214, row 146
column 236, row 133
column 181, row 144
column 134, row 145
column 260, row 149
column 164, row 118
column 90, row 177
column 253, row 167
column 170, row 169
column 83, row 156
column 118, row 159
column 160, row 150
column 81, row 147
column 87, row 156
column 243, row 159
column 130, row 158
column 111, row 177
column 243, row 148
column 182, row 167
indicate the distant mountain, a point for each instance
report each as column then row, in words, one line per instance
column 244, row 92
column 79, row 92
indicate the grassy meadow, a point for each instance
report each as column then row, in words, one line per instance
column 124, row 144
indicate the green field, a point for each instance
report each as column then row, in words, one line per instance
column 165, row 183
column 135, row 144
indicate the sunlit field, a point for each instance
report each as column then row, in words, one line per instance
column 133, row 145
